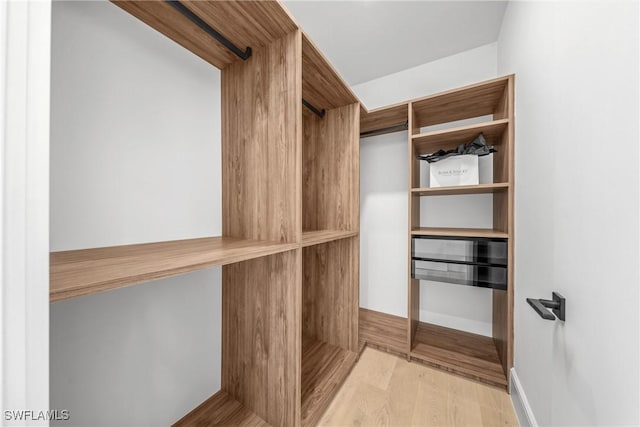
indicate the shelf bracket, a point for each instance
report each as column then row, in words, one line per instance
column 557, row 305
column 187, row 13
column 390, row 129
column 319, row 113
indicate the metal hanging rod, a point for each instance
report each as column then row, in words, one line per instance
column 209, row 30
column 396, row 128
column 319, row 113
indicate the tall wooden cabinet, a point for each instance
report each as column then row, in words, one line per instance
column 482, row 358
column 290, row 211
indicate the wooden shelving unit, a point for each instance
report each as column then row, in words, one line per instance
column 486, row 359
column 290, row 217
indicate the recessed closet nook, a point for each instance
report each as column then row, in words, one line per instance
column 291, row 127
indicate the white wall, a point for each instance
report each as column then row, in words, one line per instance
column 383, row 198
column 577, row 213
column 135, row 157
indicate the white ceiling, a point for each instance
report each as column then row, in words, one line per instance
column 369, row 39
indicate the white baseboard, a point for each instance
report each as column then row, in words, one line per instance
column 520, row 402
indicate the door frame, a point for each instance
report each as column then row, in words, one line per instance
column 25, row 45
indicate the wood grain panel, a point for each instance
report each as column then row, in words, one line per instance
column 331, row 293
column 261, row 348
column 461, row 352
column 317, row 237
column 261, row 140
column 470, row 101
column 221, row 410
column 500, row 187
column 245, row 23
column 503, row 216
column 459, row 232
column 384, row 117
column 162, row 17
column 383, row 331
column 450, row 138
column 413, row 291
column 324, row 369
column 331, row 172
column 322, row 86
column 87, row 271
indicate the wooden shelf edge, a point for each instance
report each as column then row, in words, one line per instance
column 87, row 271
column 459, row 232
column 317, row 237
column 476, row 127
column 463, row 189
column 325, row 367
column 221, row 409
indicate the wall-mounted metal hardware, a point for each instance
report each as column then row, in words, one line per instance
column 319, row 113
column 390, row 129
column 187, row 13
column 557, row 305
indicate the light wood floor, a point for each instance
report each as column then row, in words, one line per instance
column 386, row 390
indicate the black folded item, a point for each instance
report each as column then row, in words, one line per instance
column 478, row 147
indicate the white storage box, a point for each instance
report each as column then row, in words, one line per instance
column 455, row 170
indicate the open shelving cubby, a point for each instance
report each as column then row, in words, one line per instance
column 489, row 106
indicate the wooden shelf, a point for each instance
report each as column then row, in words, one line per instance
column 246, row 24
column 221, row 409
column 324, row 369
column 322, row 86
column 459, row 232
column 451, row 138
column 380, row 120
column 88, row 271
column 317, row 237
column 463, row 189
column 467, row 354
column 470, row 101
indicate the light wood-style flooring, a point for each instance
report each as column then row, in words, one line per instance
column 386, row 390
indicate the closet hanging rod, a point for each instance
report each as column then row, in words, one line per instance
column 187, row 13
column 395, row 128
column 319, row 113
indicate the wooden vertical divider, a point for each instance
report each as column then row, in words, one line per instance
column 414, row 221
column 503, row 220
column 261, row 171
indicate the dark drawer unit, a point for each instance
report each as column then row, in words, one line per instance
column 469, row 261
